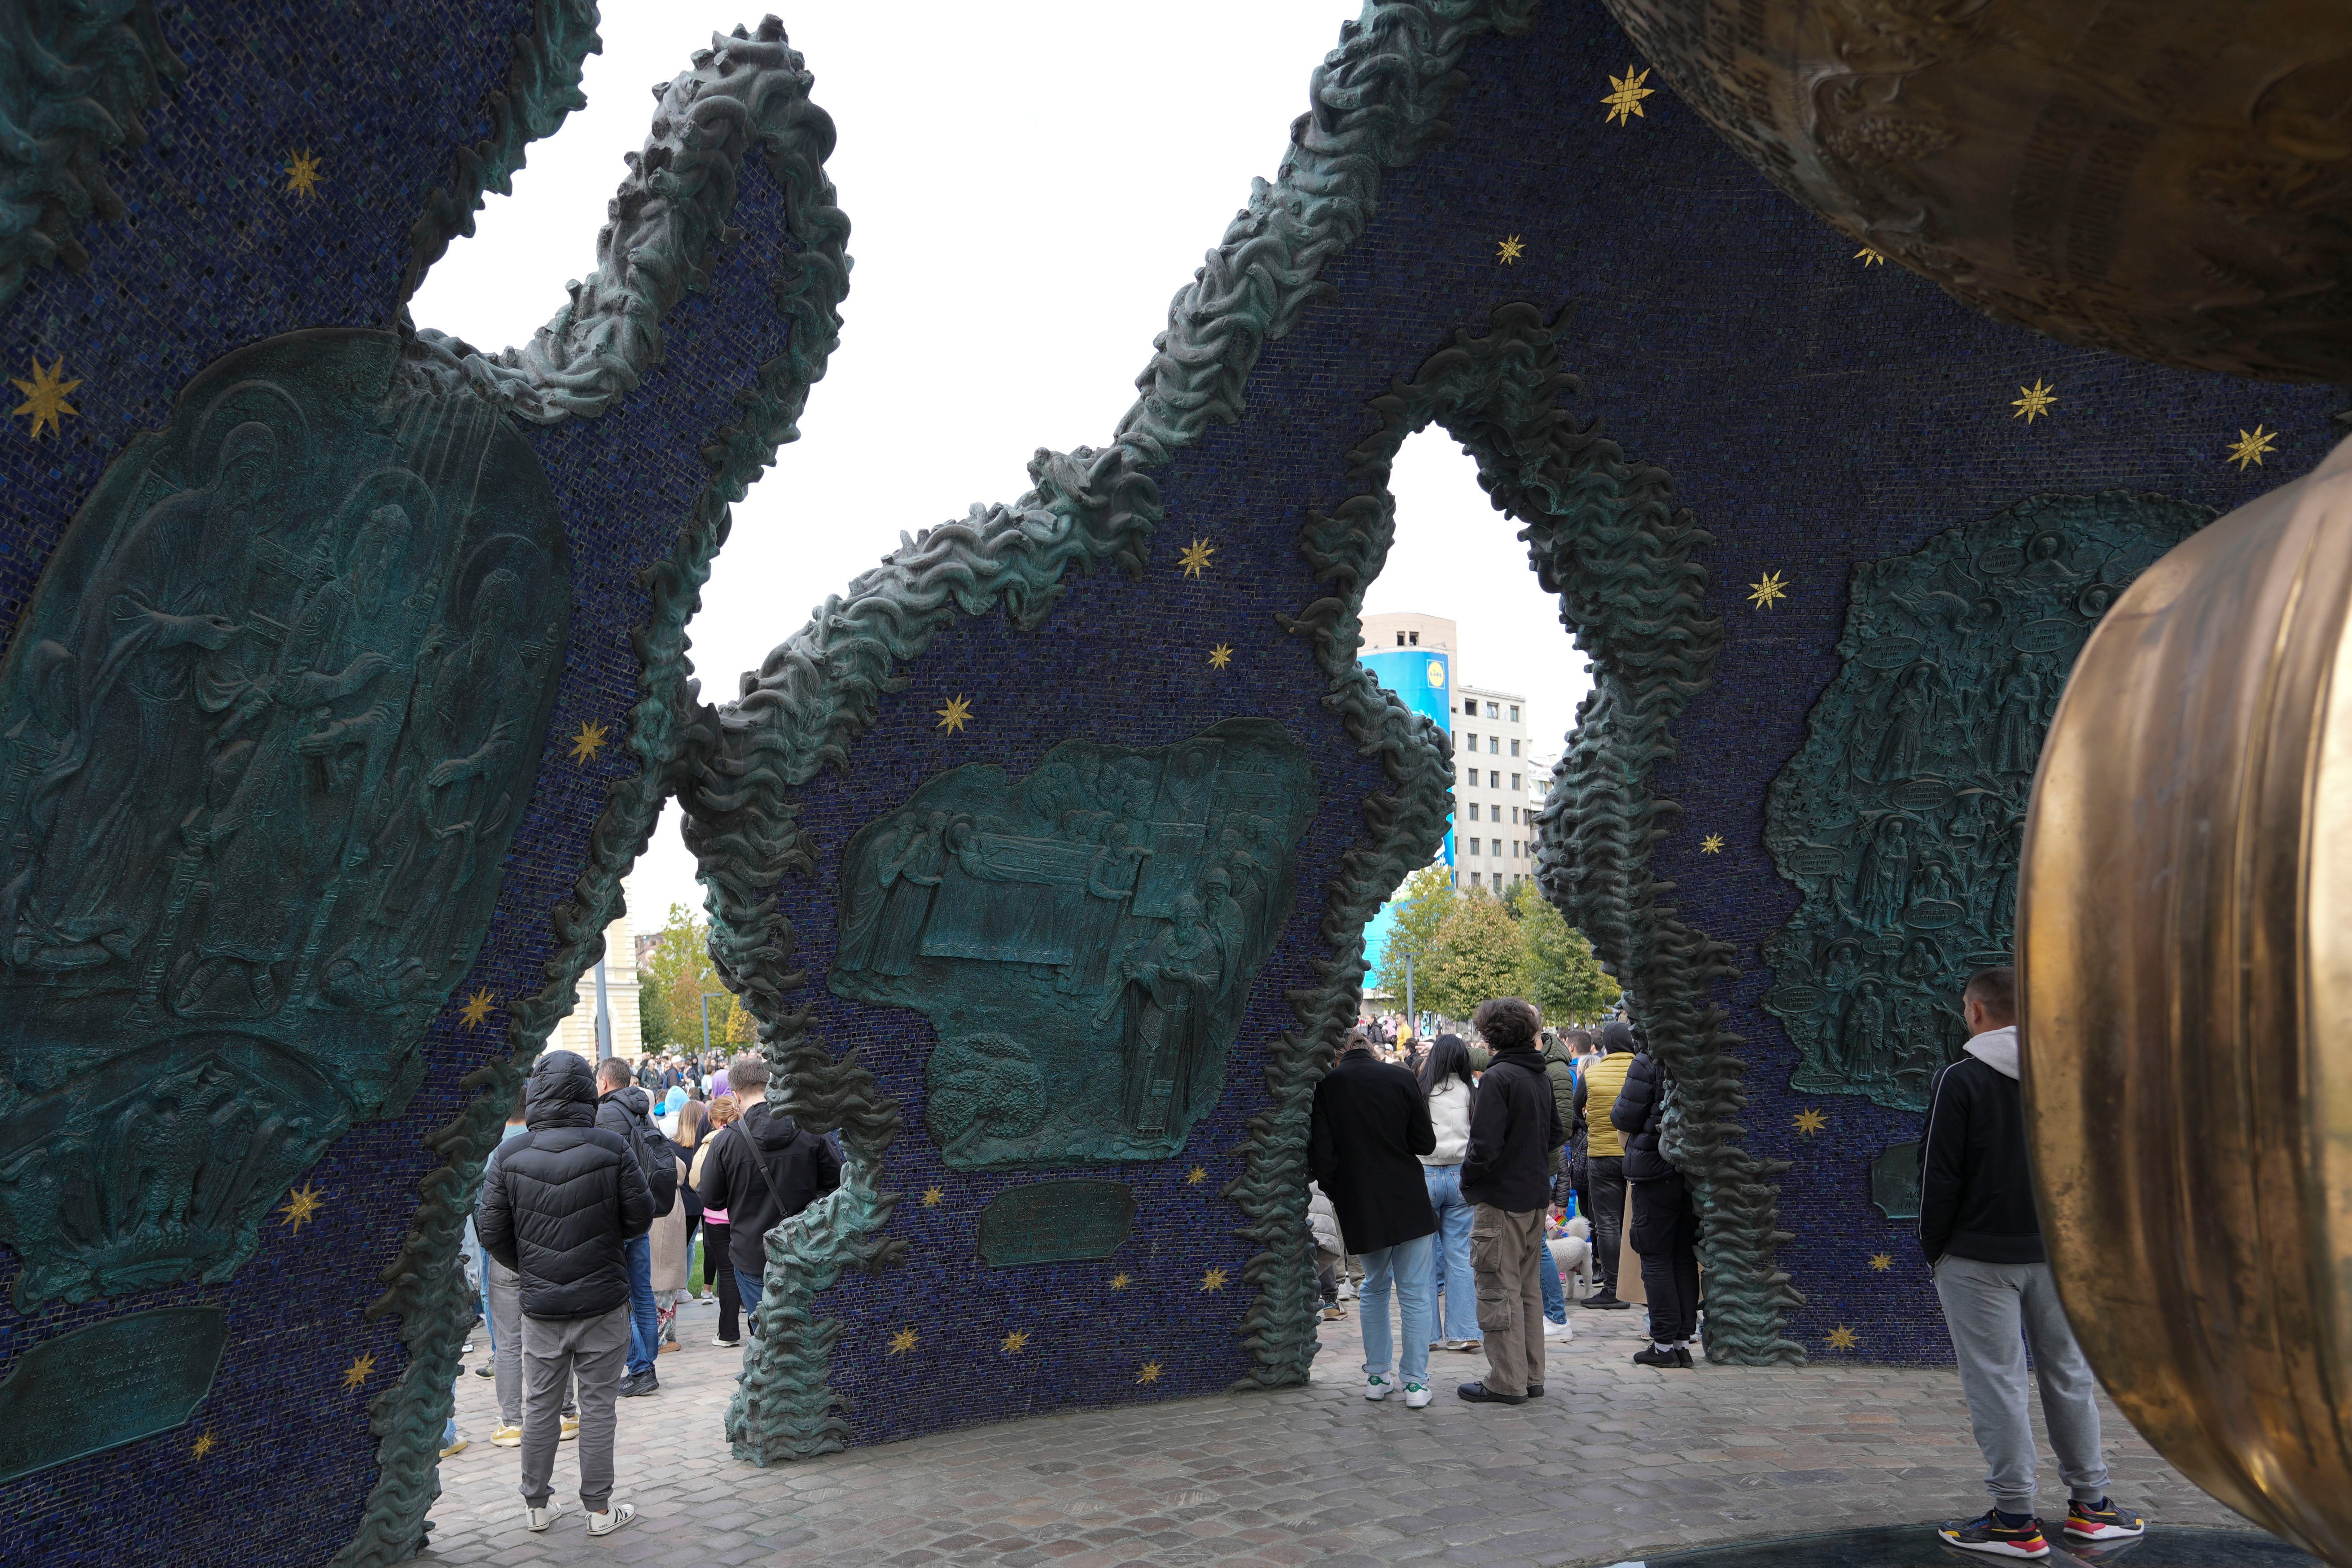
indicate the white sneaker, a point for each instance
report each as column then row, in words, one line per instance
column 1347, row 1291
column 1377, row 1386
column 538, row 1519
column 1558, row 1330
column 612, row 1518
column 1416, row 1395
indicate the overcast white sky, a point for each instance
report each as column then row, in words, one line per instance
column 1061, row 164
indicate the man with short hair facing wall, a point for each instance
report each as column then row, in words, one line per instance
column 1514, row 1127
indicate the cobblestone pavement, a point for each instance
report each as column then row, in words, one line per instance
column 1616, row 1461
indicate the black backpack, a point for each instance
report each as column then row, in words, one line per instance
column 662, row 1155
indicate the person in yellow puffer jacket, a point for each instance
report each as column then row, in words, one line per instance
column 1604, row 1154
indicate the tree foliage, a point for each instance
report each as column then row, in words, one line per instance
column 673, row 980
column 1559, row 971
column 1421, row 907
column 1471, row 945
column 1477, row 956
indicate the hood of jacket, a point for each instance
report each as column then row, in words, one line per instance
column 1527, row 1057
column 634, row 1100
column 1617, row 1034
column 1997, row 1049
column 1556, row 1050
column 772, row 1130
column 560, row 1092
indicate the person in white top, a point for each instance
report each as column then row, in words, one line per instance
column 1445, row 1084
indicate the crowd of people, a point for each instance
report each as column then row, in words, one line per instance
column 1448, row 1177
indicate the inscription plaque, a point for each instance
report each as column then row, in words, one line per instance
column 1895, row 1180
column 108, row 1385
column 1057, row 1222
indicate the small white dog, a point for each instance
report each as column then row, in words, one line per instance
column 1573, row 1253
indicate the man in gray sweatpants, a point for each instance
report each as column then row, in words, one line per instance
column 1983, row 1239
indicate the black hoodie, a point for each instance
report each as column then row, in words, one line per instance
column 559, row 1201
column 763, row 1170
column 1514, row 1127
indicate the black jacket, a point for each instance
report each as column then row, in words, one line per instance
column 1638, row 1115
column 1976, row 1191
column 627, row 1111
column 763, row 1170
column 1514, row 1127
column 559, row 1201
column 1368, row 1127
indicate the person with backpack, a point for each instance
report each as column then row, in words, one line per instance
column 1665, row 1221
column 624, row 1111
column 762, row 1169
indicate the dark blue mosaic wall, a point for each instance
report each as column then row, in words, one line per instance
column 217, row 253
column 1815, row 410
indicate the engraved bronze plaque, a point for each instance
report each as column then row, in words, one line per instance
column 1895, row 1180
column 108, row 1385
column 1057, row 1222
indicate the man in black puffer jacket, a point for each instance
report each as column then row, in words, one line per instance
column 1665, row 1221
column 1506, row 1175
column 559, row 1205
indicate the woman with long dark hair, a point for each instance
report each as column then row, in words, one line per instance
column 1445, row 1084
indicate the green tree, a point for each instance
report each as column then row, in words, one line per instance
column 654, row 1030
column 1559, row 971
column 1421, row 907
column 1475, row 956
column 679, row 968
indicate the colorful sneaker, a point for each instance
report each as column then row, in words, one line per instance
column 1377, row 1386
column 1987, row 1535
column 2102, row 1520
column 507, row 1436
column 456, row 1445
column 570, row 1429
column 1416, row 1395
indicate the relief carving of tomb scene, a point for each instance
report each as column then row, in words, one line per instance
column 1082, row 938
column 1901, row 816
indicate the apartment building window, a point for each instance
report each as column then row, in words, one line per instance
column 1476, row 881
column 1470, row 706
column 1494, row 780
column 1470, row 777
column 1473, row 811
column 1515, row 781
column 1515, row 712
column 1515, row 747
column 1494, row 744
column 1415, row 636
column 1514, row 816
column 1471, row 737
column 1494, row 710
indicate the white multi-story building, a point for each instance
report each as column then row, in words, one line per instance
column 1493, row 826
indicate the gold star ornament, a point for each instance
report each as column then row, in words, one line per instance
column 1120, row 1281
column 1844, row 1338
column 1220, row 656
column 1769, row 592
column 1509, row 249
column 1214, row 1279
column 359, row 1371
column 477, row 1008
column 1811, row 1121
column 589, row 741
column 1013, row 1342
column 1196, row 1175
column 1195, row 560
column 2248, row 447
column 1869, row 256
column 2035, row 402
column 903, row 1341
column 1882, row 1261
column 954, row 716
column 203, row 1445
column 303, row 174
column 1149, row 1373
column 933, row 1197
column 1625, row 96
column 1711, row 845
column 303, row 1205
column 45, row 396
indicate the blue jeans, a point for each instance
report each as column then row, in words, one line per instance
column 1461, row 1304
column 1405, row 1267
column 1555, row 1300
column 750, row 1286
column 645, row 1321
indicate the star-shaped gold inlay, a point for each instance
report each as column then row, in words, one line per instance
column 1013, row 1342
column 359, row 1371
column 954, row 716
column 1509, row 249
column 1214, row 1279
column 903, row 1341
column 45, row 396
column 1195, row 560
column 477, row 1008
column 1220, row 656
column 1120, row 1281
column 2248, row 447
column 1149, row 1373
column 303, row 1205
column 203, row 1445
column 1869, row 256
column 1882, row 1261
column 1809, row 1122
column 932, row 1196
column 1196, row 1175
column 1625, row 96
column 1769, row 592
column 1711, row 845
column 1844, row 1338
column 589, row 741
column 2035, row 403
column 303, row 174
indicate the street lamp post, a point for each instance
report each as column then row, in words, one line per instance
column 706, row 1018
column 604, row 1016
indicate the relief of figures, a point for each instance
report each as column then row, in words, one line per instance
column 1093, row 927
column 272, row 715
column 1900, row 816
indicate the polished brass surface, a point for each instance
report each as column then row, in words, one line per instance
column 2168, row 178
column 2185, row 934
